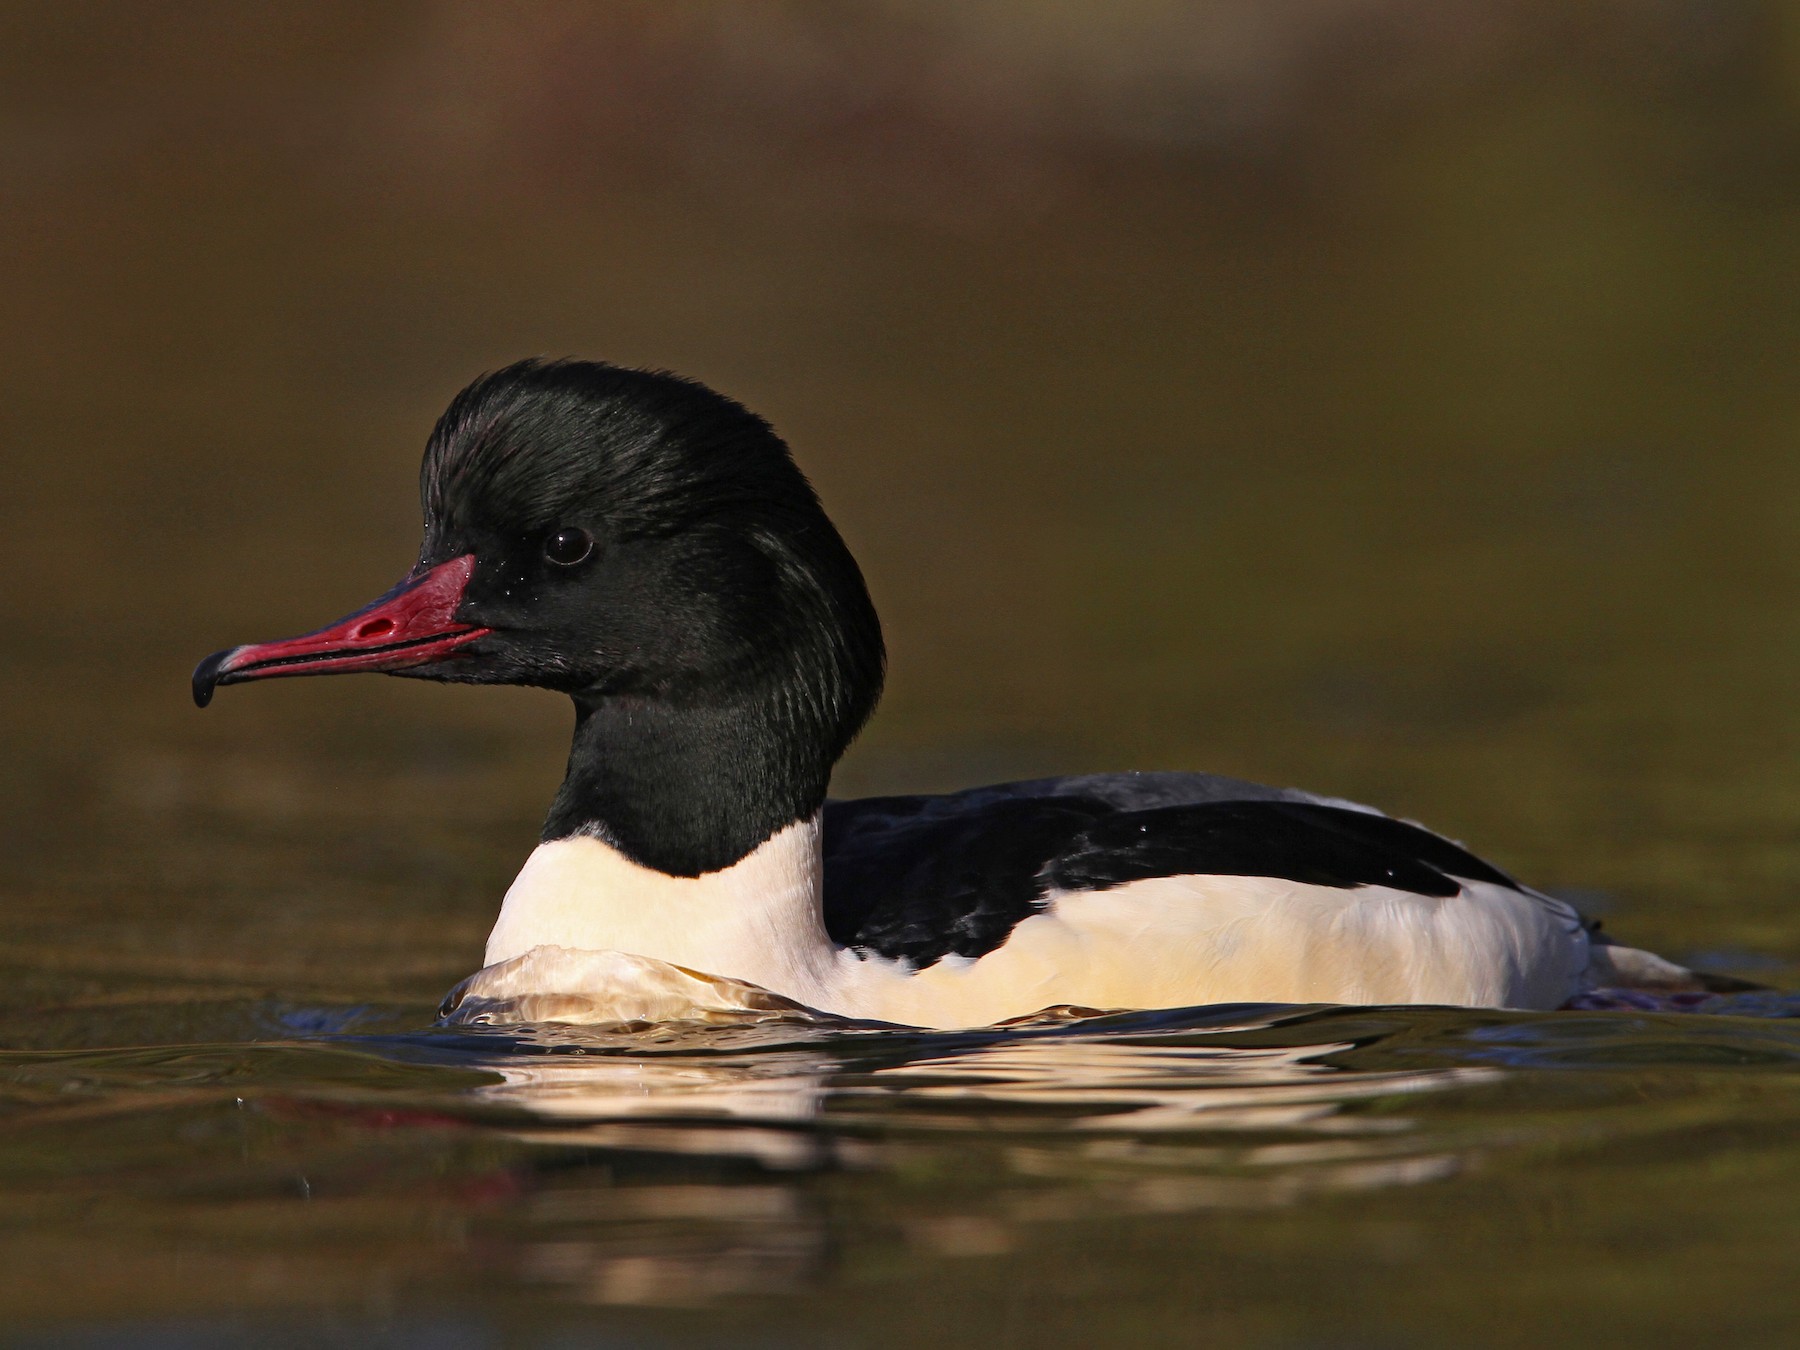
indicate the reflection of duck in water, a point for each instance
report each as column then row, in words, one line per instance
column 649, row 548
column 1077, row 1083
column 681, row 1175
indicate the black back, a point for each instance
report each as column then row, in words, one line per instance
column 922, row 878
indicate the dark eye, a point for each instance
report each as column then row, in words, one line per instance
column 568, row 547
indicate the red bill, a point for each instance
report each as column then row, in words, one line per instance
column 412, row 625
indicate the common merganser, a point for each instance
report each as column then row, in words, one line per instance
column 648, row 547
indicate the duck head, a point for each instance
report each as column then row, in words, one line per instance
column 648, row 547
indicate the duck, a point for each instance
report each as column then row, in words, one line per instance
column 650, row 549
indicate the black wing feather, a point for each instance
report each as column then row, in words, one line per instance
column 922, row 878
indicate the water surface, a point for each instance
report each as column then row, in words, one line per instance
column 1280, row 1175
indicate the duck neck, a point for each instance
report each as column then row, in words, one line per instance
column 684, row 789
column 686, row 834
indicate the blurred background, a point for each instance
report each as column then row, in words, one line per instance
column 1391, row 397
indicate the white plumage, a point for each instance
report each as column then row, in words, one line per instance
column 1164, row 942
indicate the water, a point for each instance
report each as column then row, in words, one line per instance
column 1288, row 1176
column 1394, row 400
column 1284, row 1176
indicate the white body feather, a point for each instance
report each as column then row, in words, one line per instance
column 1165, row 942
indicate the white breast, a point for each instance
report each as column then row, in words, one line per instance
column 758, row 920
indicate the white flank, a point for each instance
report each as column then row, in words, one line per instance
column 1161, row 943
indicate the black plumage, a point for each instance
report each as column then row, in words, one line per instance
column 718, row 641
column 922, row 878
